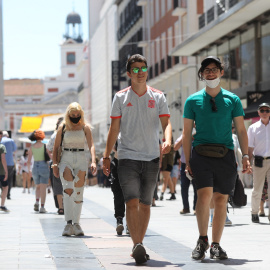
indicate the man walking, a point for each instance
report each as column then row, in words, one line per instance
column 212, row 163
column 135, row 116
column 3, row 175
column 259, row 147
column 11, row 148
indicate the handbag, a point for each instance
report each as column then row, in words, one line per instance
column 239, row 198
column 46, row 155
column 59, row 150
column 212, row 150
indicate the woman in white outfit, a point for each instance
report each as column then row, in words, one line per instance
column 73, row 166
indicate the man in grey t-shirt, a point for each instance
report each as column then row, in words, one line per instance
column 136, row 112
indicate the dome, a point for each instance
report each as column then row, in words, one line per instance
column 73, row 18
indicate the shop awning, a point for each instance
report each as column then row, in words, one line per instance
column 45, row 122
column 30, row 123
column 252, row 110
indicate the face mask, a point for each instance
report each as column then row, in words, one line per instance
column 213, row 83
column 75, row 120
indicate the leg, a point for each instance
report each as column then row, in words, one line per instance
column 43, row 188
column 220, row 212
column 202, row 209
column 10, row 179
column 184, row 182
column 28, row 176
column 4, row 195
column 24, row 175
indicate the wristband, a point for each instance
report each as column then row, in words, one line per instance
column 247, row 156
column 54, row 165
column 106, row 158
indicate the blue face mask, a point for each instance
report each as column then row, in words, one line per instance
column 75, row 120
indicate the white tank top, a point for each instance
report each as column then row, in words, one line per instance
column 74, row 139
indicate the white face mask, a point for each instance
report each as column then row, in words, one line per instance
column 213, row 83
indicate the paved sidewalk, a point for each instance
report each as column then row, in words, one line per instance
column 30, row 240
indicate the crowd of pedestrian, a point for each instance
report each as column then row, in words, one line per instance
column 213, row 151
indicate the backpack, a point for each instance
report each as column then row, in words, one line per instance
column 238, row 198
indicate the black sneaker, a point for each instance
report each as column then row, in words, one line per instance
column 161, row 196
column 3, row 208
column 255, row 218
column 172, row 197
column 119, row 225
column 216, row 252
column 199, row 252
column 139, row 254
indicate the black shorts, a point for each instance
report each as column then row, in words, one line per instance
column 219, row 173
column 3, row 183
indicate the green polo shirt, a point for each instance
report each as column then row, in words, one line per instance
column 213, row 127
column 2, row 150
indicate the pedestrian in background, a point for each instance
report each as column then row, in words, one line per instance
column 259, row 148
column 135, row 115
column 184, row 181
column 3, row 175
column 10, row 148
column 73, row 167
column 40, row 170
column 26, row 174
column 212, row 163
column 56, row 182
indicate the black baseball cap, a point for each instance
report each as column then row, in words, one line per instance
column 264, row 105
column 209, row 59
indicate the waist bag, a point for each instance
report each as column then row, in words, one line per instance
column 212, row 150
column 258, row 162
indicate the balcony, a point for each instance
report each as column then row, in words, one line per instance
column 229, row 15
column 179, row 7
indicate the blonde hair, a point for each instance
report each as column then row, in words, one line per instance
column 74, row 106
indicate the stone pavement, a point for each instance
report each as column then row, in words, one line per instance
column 31, row 240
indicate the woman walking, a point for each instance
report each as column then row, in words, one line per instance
column 73, row 166
column 40, row 170
column 26, row 175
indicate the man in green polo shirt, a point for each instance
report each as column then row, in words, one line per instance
column 212, row 161
column 3, row 175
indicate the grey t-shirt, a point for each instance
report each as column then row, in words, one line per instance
column 139, row 129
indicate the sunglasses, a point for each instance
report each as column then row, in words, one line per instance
column 214, row 106
column 262, row 111
column 136, row 69
column 208, row 70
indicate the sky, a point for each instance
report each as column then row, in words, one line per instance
column 32, row 33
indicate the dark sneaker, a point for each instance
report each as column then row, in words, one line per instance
column 255, row 218
column 217, row 253
column 161, row 196
column 119, row 225
column 172, row 197
column 3, row 208
column 199, row 252
column 139, row 254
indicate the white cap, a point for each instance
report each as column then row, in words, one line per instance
column 5, row 133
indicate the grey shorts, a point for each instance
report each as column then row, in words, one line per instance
column 138, row 179
column 219, row 173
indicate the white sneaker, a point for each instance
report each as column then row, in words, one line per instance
column 78, row 230
column 228, row 221
column 42, row 210
column 68, row 230
column 23, row 191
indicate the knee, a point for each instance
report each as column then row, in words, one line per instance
column 220, row 201
column 132, row 204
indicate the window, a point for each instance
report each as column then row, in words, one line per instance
column 169, row 4
column 170, row 46
column 156, row 10
column 163, row 9
column 71, row 58
column 223, row 54
column 163, row 45
column 71, row 75
column 52, row 90
column 157, row 50
column 265, row 51
column 235, row 62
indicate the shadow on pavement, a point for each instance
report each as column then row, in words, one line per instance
column 153, row 263
column 231, row 261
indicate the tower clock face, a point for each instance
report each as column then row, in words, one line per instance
column 70, row 58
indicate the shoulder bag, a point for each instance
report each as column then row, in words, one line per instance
column 59, row 150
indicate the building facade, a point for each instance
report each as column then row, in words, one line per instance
column 2, row 112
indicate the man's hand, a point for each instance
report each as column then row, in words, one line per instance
column 246, row 166
column 106, row 166
column 166, row 147
column 93, row 168
column 188, row 169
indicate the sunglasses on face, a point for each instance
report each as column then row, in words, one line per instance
column 213, row 70
column 214, row 106
column 136, row 69
column 262, row 111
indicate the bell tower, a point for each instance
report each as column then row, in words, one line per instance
column 74, row 27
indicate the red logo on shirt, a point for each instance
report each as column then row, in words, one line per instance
column 129, row 104
column 151, row 104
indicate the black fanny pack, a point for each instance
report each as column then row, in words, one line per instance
column 212, row 150
column 258, row 161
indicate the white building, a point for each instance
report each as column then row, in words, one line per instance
column 103, row 50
